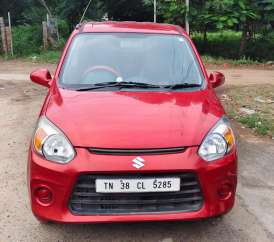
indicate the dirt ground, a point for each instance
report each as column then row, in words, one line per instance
column 252, row 218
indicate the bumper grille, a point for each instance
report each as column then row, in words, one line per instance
column 85, row 201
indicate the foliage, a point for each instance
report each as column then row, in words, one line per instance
column 248, row 16
column 261, row 47
column 15, row 7
column 34, row 11
column 72, row 10
column 252, row 19
column 26, row 39
column 174, row 12
column 130, row 10
column 225, row 44
column 254, row 121
column 222, row 61
column 51, row 56
column 63, row 28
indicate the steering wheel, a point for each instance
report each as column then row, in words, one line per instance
column 100, row 68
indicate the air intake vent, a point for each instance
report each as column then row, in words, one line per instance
column 109, row 151
column 85, row 201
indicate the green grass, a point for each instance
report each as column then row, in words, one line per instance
column 4, row 58
column 260, row 125
column 220, row 61
column 50, row 56
column 262, row 121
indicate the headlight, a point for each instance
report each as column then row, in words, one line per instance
column 218, row 142
column 51, row 143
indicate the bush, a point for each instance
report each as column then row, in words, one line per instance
column 63, row 28
column 27, row 39
column 226, row 44
column 50, row 56
column 262, row 48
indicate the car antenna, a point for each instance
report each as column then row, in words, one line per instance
column 83, row 16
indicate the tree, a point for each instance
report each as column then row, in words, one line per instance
column 72, row 10
column 35, row 11
column 16, row 8
column 135, row 10
column 220, row 14
column 44, row 4
column 174, row 11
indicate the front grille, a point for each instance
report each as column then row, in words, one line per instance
column 157, row 151
column 85, row 201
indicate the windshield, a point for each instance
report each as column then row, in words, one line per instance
column 161, row 60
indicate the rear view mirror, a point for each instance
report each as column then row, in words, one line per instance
column 216, row 79
column 41, row 77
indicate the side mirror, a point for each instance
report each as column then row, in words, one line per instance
column 216, row 79
column 41, row 77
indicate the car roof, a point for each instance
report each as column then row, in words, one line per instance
column 129, row 27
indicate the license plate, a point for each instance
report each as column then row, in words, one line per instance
column 138, row 185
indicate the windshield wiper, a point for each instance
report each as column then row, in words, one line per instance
column 93, row 87
column 182, row 85
column 118, row 84
column 128, row 84
column 135, row 85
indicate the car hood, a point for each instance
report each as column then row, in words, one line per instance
column 134, row 119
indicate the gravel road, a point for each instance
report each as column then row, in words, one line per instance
column 252, row 219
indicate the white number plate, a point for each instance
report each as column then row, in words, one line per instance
column 138, row 185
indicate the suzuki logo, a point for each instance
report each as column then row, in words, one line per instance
column 138, row 162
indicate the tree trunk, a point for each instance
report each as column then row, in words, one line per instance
column 52, row 25
column 243, row 40
column 205, row 38
column 53, row 35
column 205, row 34
column 44, row 4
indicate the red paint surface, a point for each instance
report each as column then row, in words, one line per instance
column 131, row 120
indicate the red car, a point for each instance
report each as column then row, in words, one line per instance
column 131, row 130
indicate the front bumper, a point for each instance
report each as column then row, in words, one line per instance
column 60, row 179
